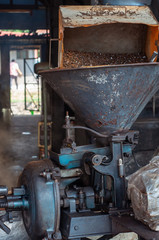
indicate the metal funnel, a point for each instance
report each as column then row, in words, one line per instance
column 106, row 98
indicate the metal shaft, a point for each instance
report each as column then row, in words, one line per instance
column 45, row 118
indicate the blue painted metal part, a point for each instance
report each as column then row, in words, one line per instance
column 23, row 203
column 73, row 160
column 43, row 196
column 127, row 149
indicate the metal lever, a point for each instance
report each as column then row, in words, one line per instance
column 4, row 227
column 154, row 55
column 3, row 219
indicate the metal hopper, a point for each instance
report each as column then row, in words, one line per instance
column 108, row 98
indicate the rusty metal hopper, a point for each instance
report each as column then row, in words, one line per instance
column 106, row 98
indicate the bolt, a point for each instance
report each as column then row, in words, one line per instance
column 76, row 228
column 78, row 172
column 111, row 205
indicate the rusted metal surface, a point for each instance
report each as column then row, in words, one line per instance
column 129, row 224
column 107, row 29
column 118, row 38
column 75, row 59
column 80, row 16
column 76, row 172
column 108, row 98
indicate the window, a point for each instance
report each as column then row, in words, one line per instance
column 21, row 54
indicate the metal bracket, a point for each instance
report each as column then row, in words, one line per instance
column 67, row 173
column 5, row 218
column 50, row 46
column 72, row 205
column 51, row 175
column 57, row 236
column 131, row 137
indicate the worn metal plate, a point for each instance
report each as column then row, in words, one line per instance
column 131, row 36
column 107, row 98
column 78, row 225
column 83, row 16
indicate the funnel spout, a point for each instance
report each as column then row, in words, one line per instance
column 106, row 98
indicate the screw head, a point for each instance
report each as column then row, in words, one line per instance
column 76, row 228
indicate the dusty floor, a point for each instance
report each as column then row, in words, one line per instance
column 18, row 145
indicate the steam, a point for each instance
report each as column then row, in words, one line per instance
column 9, row 172
column 8, row 169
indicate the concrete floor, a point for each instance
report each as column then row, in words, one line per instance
column 18, row 146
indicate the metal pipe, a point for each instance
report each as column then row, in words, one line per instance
column 25, row 84
column 102, row 190
column 88, row 129
column 154, row 106
column 45, row 118
column 3, row 191
column 50, row 48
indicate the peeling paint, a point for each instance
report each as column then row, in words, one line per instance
column 77, row 16
column 101, row 79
